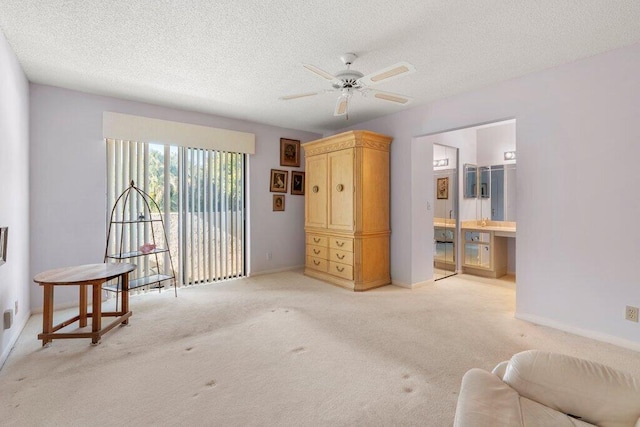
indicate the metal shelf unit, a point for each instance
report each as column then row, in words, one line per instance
column 131, row 223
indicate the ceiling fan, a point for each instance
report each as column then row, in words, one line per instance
column 349, row 81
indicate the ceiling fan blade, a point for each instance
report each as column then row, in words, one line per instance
column 397, row 70
column 392, row 97
column 342, row 106
column 300, row 95
column 317, row 71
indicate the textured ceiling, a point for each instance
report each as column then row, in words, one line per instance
column 236, row 58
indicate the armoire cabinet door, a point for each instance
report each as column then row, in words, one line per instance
column 316, row 192
column 341, row 190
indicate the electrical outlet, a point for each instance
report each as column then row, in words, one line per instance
column 631, row 313
column 269, row 256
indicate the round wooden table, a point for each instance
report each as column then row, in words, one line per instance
column 84, row 276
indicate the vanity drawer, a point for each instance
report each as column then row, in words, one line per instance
column 317, row 251
column 341, row 244
column 341, row 270
column 317, row 240
column 342, row 257
column 477, row 236
column 443, row 234
column 317, row 263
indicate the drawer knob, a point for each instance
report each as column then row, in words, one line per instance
column 340, row 256
column 316, row 251
column 339, row 187
column 340, row 244
column 316, row 262
column 315, row 189
column 316, row 239
column 340, row 269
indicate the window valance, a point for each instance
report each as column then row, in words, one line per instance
column 137, row 128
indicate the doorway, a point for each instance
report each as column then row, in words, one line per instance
column 474, row 215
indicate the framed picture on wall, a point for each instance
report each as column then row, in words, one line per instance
column 289, row 152
column 4, row 232
column 442, row 190
column 278, row 181
column 297, row 183
column 278, row 202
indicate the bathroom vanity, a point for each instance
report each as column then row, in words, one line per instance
column 484, row 249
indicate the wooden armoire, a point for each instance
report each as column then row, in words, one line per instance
column 347, row 209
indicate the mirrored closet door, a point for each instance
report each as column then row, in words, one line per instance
column 445, row 215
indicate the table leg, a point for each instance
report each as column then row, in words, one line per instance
column 96, row 316
column 83, row 305
column 125, row 296
column 47, row 312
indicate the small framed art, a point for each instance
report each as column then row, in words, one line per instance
column 443, row 188
column 278, row 181
column 278, row 202
column 297, row 183
column 289, row 152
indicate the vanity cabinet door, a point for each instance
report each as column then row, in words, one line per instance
column 477, row 255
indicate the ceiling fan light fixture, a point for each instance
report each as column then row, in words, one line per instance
column 349, row 81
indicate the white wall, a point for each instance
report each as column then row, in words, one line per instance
column 576, row 255
column 493, row 141
column 14, row 193
column 68, row 183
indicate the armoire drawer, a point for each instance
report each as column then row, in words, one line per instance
column 317, row 251
column 341, row 244
column 317, row 240
column 340, row 256
column 341, row 270
column 317, row 263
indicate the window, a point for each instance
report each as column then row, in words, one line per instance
column 202, row 195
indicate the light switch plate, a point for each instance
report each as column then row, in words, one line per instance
column 8, row 318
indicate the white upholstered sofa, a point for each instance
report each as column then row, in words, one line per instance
column 537, row 388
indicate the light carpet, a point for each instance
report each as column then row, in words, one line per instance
column 281, row 350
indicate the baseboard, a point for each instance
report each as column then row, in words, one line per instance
column 598, row 336
column 12, row 341
column 412, row 285
column 277, row 270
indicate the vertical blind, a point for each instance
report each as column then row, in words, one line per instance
column 212, row 215
column 202, row 195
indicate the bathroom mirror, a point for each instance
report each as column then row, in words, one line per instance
column 470, row 181
column 484, row 182
column 499, row 201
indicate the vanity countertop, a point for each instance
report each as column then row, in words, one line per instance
column 506, row 227
column 444, row 222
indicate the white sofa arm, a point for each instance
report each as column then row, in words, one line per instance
column 486, row 401
column 594, row 392
column 500, row 369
